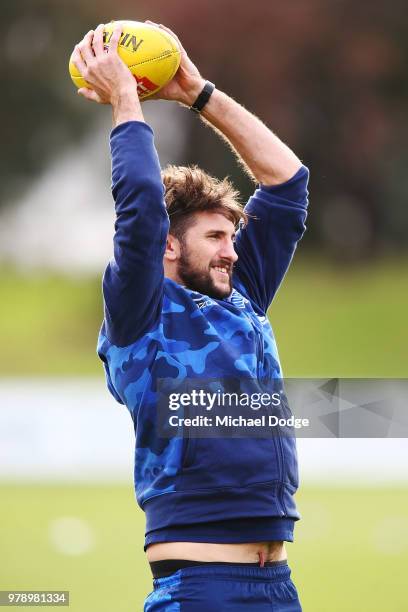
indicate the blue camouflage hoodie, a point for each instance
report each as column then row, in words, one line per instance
column 211, row 490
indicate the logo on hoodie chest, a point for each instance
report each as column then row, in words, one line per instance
column 203, row 302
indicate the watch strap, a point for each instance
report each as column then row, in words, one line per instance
column 203, row 97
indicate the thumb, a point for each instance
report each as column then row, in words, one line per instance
column 89, row 94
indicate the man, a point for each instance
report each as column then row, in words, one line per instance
column 186, row 297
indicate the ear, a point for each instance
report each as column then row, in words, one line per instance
column 172, row 252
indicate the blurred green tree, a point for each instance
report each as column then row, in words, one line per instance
column 328, row 76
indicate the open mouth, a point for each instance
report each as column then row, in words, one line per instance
column 222, row 271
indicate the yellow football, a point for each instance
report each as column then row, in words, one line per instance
column 152, row 55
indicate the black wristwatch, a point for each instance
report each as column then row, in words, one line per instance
column 203, row 97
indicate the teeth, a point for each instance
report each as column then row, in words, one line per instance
column 220, row 269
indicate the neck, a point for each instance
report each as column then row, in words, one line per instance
column 171, row 273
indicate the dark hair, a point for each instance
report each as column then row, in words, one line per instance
column 189, row 190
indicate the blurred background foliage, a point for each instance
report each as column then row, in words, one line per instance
column 330, row 77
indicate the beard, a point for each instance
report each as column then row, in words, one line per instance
column 199, row 278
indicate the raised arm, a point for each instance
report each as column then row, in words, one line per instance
column 265, row 156
column 277, row 210
column 133, row 280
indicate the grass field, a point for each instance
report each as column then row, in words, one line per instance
column 329, row 321
column 351, row 549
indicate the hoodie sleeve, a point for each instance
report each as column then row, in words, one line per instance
column 133, row 279
column 265, row 246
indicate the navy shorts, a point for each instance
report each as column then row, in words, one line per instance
column 219, row 588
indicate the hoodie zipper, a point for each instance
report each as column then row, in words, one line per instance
column 276, row 439
column 260, row 353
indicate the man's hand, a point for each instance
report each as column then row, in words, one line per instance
column 187, row 83
column 111, row 80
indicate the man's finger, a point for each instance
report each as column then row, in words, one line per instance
column 76, row 58
column 114, row 41
column 89, row 94
column 85, row 47
column 97, row 42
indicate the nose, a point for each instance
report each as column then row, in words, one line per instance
column 227, row 251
